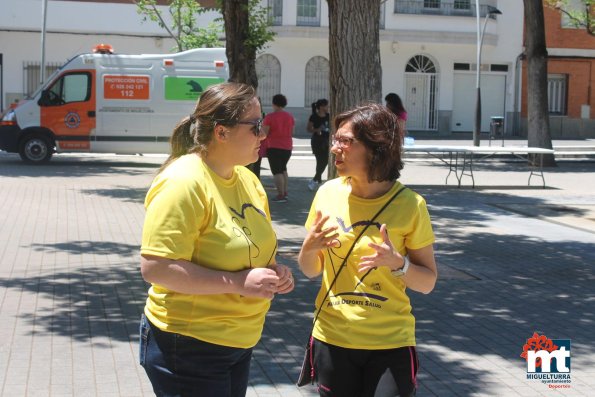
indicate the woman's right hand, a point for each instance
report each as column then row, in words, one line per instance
column 318, row 236
column 317, row 239
column 260, row 282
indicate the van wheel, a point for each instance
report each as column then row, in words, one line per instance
column 36, row 149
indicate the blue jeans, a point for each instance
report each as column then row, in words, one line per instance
column 179, row 365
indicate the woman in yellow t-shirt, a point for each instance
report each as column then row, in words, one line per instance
column 364, row 335
column 208, row 250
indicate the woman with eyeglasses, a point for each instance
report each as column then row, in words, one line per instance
column 371, row 239
column 208, row 250
column 278, row 127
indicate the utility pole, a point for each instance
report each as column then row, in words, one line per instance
column 44, row 6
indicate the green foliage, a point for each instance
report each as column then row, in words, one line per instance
column 259, row 25
column 183, row 27
column 582, row 17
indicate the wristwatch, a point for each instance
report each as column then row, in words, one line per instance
column 401, row 272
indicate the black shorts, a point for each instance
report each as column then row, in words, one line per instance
column 278, row 159
column 342, row 372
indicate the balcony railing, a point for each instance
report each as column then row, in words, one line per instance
column 437, row 7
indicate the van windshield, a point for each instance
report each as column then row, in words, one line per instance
column 49, row 79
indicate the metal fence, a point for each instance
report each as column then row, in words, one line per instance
column 32, row 75
column 268, row 70
column 317, row 80
column 557, row 93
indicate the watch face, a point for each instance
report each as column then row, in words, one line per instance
column 398, row 273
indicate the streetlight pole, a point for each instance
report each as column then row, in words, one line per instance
column 480, row 33
column 44, row 6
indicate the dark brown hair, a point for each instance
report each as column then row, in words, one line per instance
column 376, row 127
column 221, row 103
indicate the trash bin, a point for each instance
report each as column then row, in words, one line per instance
column 496, row 128
column 496, row 125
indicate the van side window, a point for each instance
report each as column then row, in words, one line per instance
column 74, row 87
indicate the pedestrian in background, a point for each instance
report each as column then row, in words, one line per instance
column 318, row 126
column 278, row 127
column 394, row 103
column 371, row 238
column 208, row 250
column 262, row 152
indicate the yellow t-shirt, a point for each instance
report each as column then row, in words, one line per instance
column 367, row 310
column 193, row 214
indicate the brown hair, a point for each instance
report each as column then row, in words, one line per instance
column 376, row 127
column 221, row 103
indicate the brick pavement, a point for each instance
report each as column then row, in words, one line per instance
column 512, row 260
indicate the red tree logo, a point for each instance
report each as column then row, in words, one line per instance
column 536, row 343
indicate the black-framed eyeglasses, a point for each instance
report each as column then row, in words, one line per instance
column 342, row 142
column 256, row 124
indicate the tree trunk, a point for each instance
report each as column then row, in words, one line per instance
column 354, row 47
column 241, row 58
column 538, row 122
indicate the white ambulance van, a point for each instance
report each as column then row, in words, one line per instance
column 111, row 103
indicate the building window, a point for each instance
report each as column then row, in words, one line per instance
column 268, row 70
column 462, row 4
column 461, row 66
column 308, row 13
column 431, row 3
column 276, row 12
column 557, row 89
column 572, row 6
column 420, row 64
column 317, row 80
column 495, row 67
column 382, row 14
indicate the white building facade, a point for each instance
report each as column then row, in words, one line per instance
column 428, row 53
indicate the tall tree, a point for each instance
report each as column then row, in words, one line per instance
column 181, row 25
column 354, row 49
column 581, row 13
column 247, row 30
column 537, row 97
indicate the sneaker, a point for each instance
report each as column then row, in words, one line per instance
column 279, row 199
column 312, row 185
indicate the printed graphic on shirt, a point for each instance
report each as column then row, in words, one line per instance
column 241, row 230
column 360, row 294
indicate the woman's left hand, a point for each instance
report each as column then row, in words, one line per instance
column 286, row 282
column 385, row 255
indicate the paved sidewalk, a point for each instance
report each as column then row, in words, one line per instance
column 512, row 259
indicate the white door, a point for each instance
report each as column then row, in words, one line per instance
column 420, row 101
column 416, row 101
column 493, row 91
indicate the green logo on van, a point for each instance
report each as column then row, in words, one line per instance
column 188, row 88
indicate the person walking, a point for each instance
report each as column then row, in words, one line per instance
column 395, row 104
column 371, row 238
column 318, row 126
column 278, row 127
column 208, row 251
